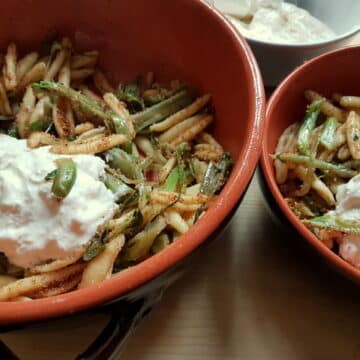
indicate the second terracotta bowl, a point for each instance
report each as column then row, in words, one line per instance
column 334, row 72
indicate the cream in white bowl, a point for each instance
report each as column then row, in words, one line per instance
column 281, row 22
column 277, row 59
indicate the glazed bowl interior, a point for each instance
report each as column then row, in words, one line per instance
column 335, row 72
column 178, row 39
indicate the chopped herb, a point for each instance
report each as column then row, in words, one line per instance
column 130, row 94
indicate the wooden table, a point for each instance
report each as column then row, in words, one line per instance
column 254, row 294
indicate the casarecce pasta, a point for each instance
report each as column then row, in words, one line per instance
column 317, row 163
column 161, row 164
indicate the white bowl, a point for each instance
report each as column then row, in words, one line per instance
column 278, row 60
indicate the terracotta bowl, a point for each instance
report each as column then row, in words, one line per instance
column 337, row 71
column 177, row 39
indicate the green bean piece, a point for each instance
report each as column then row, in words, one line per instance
column 88, row 105
column 65, row 178
column 120, row 127
column 327, row 138
column 139, row 246
column 339, row 170
column 117, row 186
column 172, row 181
column 119, row 159
column 308, row 125
column 95, row 247
column 160, row 243
column 332, row 221
column 161, row 110
column 177, row 179
column 216, row 175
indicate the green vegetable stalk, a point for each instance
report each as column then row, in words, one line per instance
column 173, row 180
column 161, row 110
column 88, row 105
column 120, row 127
column 308, row 126
column 339, row 170
column 331, row 221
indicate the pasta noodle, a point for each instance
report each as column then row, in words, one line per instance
column 312, row 160
column 161, row 166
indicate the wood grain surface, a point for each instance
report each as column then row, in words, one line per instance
column 254, row 294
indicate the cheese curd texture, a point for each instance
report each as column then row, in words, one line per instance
column 34, row 226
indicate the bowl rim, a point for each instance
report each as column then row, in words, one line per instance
column 132, row 278
column 266, row 164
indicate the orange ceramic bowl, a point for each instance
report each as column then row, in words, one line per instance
column 177, row 39
column 337, row 71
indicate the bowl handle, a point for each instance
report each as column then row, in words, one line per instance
column 125, row 316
